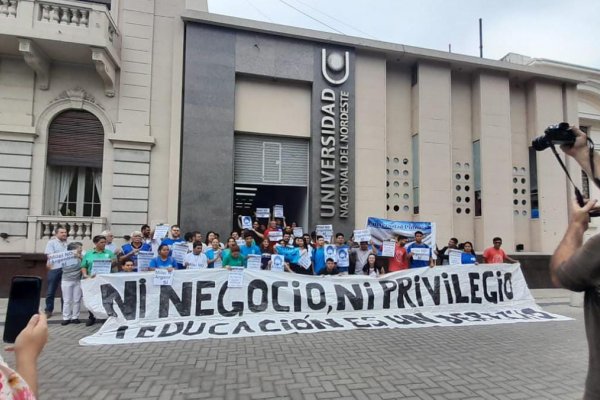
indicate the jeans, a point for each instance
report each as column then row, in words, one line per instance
column 71, row 295
column 54, row 276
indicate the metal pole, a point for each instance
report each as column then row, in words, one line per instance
column 480, row 39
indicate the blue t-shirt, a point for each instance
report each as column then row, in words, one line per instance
column 128, row 248
column 169, row 242
column 318, row 260
column 158, row 262
column 418, row 263
column 468, row 258
column 246, row 250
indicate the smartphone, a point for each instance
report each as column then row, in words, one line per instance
column 23, row 303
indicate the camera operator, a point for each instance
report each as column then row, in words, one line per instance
column 577, row 267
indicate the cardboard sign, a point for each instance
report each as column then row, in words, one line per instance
column 101, row 267
column 298, row 232
column 263, row 213
column 277, row 262
column 160, row 231
column 179, row 249
column 236, row 277
column 143, row 260
column 362, row 235
column 330, row 251
column 275, row 236
column 253, row 261
column 420, row 254
column 162, row 276
column 246, row 222
column 454, row 256
column 278, row 211
column 389, row 248
column 326, row 231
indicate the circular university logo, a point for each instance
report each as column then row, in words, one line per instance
column 335, row 62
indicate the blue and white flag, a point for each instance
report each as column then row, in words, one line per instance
column 385, row 229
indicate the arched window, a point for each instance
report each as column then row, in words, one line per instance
column 74, row 164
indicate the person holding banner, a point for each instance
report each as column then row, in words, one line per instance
column 163, row 260
column 359, row 257
column 249, row 247
column 371, row 268
column 319, row 263
column 214, row 254
column 400, row 260
column 468, row 255
column 443, row 254
column 196, row 259
column 330, row 268
column 419, row 253
column 233, row 258
column 131, row 250
column 495, row 255
column 99, row 252
column 70, row 286
column 58, row 244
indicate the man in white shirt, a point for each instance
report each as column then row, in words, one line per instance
column 196, row 259
column 58, row 244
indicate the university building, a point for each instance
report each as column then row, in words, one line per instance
column 114, row 114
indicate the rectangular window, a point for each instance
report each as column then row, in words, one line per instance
column 533, row 191
column 415, row 172
column 74, row 191
column 477, row 176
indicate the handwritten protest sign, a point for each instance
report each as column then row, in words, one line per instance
column 58, row 260
column 420, row 254
column 326, row 231
column 162, row 276
column 253, row 261
column 100, row 267
column 362, row 235
column 454, row 257
column 275, row 236
column 180, row 249
column 278, row 211
column 277, row 262
column 236, row 277
column 389, row 248
column 298, row 231
column 143, row 260
column 263, row 213
column 160, row 231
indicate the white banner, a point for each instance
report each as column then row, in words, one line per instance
column 199, row 304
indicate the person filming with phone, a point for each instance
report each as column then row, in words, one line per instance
column 574, row 265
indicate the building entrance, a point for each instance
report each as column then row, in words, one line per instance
column 271, row 170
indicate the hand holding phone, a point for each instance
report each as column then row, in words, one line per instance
column 23, row 303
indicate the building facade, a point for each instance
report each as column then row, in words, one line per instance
column 116, row 115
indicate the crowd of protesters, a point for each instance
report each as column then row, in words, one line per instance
column 309, row 254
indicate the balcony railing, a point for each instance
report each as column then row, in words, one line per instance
column 82, row 229
column 70, row 22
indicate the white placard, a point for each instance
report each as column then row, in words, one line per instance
column 454, row 257
column 388, row 249
column 160, row 231
column 253, row 261
column 246, row 222
column 100, row 267
column 420, row 253
column 143, row 260
column 162, row 276
column 180, row 249
column 263, row 213
column 57, row 259
column 343, row 257
column 278, row 211
column 362, row 235
column 277, row 262
column 275, row 236
column 305, row 261
column 330, row 251
column 236, row 277
column 298, row 232
column 240, row 242
column 326, row 231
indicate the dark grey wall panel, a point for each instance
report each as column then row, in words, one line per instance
column 206, row 190
column 276, row 57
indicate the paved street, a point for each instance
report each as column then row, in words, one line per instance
column 513, row 361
